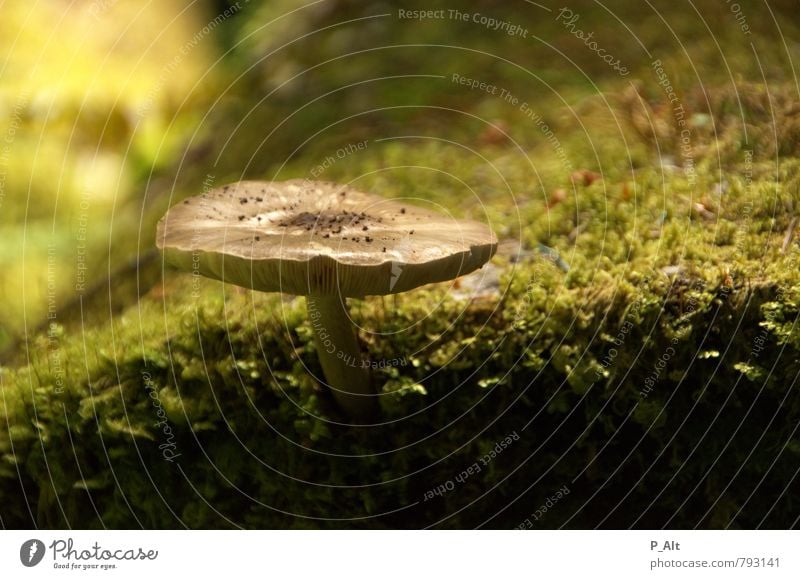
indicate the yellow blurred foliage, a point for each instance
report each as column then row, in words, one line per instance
column 92, row 96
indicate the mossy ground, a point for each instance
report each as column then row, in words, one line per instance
column 650, row 368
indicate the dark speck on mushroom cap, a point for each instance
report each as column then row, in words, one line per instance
column 310, row 225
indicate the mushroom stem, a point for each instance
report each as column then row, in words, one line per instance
column 346, row 372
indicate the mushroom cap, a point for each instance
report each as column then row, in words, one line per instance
column 317, row 238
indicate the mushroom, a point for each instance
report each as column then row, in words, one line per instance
column 326, row 242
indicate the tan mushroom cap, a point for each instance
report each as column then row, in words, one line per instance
column 317, row 238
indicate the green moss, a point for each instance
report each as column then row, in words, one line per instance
column 232, row 372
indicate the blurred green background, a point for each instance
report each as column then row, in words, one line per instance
column 112, row 110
